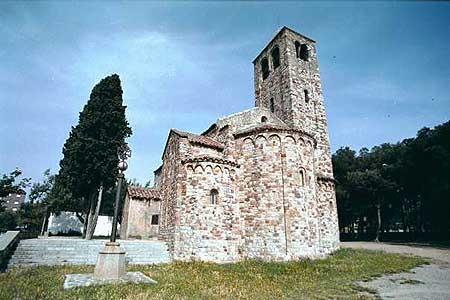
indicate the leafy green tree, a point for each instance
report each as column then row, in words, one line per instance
column 90, row 154
column 9, row 185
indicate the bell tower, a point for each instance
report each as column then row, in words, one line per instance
column 287, row 82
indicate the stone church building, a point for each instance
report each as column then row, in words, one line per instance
column 255, row 184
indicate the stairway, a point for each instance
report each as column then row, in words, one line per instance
column 58, row 251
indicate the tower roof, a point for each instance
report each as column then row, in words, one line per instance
column 283, row 29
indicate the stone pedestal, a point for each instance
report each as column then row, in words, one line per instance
column 110, row 262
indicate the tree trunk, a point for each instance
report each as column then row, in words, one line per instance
column 89, row 214
column 93, row 218
column 377, row 239
column 43, row 228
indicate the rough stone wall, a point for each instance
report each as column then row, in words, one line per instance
column 208, row 231
column 277, row 196
column 137, row 218
column 170, row 178
column 328, row 219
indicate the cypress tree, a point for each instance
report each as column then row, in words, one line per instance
column 90, row 154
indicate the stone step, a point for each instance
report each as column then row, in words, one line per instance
column 54, row 251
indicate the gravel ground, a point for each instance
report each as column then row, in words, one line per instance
column 425, row 282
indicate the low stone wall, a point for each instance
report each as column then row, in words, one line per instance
column 8, row 243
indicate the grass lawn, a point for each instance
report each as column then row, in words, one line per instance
column 331, row 278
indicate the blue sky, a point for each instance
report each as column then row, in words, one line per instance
column 385, row 69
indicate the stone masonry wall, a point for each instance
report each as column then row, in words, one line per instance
column 170, row 180
column 208, row 231
column 277, row 197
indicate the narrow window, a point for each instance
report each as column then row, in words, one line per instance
column 155, row 219
column 276, row 57
column 302, row 177
column 306, row 95
column 265, row 68
column 297, row 49
column 213, row 196
column 272, row 105
column 264, row 119
column 304, row 52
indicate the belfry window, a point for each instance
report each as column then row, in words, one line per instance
column 265, row 68
column 272, row 105
column 155, row 219
column 297, row 49
column 213, row 196
column 306, row 95
column 304, row 55
column 263, row 119
column 275, row 57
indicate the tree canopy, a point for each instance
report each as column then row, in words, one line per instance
column 409, row 180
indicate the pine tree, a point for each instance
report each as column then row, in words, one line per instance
column 90, row 154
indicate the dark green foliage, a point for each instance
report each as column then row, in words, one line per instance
column 409, row 180
column 31, row 216
column 8, row 221
column 91, row 151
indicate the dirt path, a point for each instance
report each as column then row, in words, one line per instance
column 425, row 282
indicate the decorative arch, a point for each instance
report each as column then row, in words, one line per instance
column 199, row 169
column 301, row 142
column 247, row 142
column 217, row 170
column 260, row 143
column 208, row 169
column 275, row 140
column 289, row 139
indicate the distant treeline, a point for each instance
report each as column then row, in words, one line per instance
column 396, row 191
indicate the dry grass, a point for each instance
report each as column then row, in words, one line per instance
column 331, row 278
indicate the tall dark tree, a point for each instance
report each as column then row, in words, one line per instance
column 90, row 160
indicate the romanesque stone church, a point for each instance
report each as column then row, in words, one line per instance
column 255, row 184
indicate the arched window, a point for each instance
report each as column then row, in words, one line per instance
column 265, row 68
column 272, row 105
column 306, row 95
column 213, row 194
column 264, row 119
column 302, row 177
column 275, row 57
column 304, row 55
column 297, row 49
